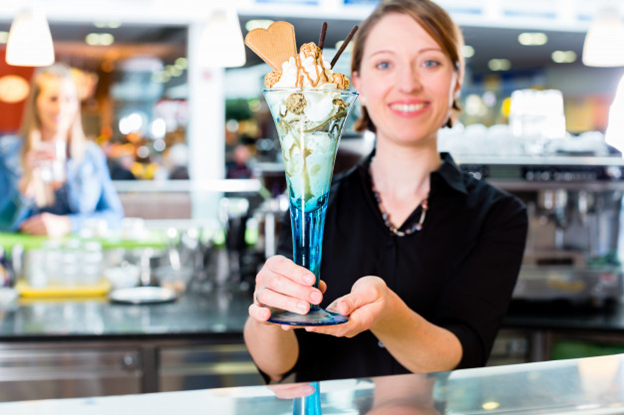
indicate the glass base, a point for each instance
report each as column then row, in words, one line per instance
column 317, row 317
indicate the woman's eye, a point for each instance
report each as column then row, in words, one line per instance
column 383, row 65
column 430, row 63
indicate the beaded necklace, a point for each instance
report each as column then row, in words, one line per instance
column 386, row 216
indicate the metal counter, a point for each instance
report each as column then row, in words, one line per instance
column 583, row 386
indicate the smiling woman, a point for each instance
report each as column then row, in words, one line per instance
column 422, row 257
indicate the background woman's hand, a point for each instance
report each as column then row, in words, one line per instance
column 283, row 284
column 366, row 305
column 33, row 161
column 54, row 226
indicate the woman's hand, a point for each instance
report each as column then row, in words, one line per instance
column 283, row 284
column 36, row 156
column 292, row 390
column 54, row 226
column 34, row 159
column 366, row 305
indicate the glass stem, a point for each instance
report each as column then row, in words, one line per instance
column 307, row 232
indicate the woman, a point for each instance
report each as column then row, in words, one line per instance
column 422, row 257
column 52, row 180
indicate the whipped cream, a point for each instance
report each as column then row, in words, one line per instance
column 305, row 71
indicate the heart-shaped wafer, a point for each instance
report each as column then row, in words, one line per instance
column 274, row 45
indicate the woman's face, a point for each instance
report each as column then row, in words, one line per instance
column 406, row 81
column 57, row 106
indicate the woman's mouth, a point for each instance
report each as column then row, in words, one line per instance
column 409, row 109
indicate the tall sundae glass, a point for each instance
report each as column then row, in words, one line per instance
column 309, row 124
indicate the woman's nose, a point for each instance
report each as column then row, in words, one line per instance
column 409, row 80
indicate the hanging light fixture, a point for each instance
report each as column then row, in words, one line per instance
column 221, row 44
column 604, row 40
column 614, row 135
column 30, row 41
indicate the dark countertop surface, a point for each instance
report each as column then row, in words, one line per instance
column 217, row 313
column 564, row 316
column 192, row 315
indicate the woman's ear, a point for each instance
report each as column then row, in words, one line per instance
column 458, row 84
column 355, row 79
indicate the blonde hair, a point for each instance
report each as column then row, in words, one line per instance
column 436, row 22
column 31, row 125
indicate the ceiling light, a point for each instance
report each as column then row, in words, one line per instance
column 615, row 129
column 258, row 24
column 106, row 39
column 499, row 64
column 563, row 56
column 30, row 41
column 99, row 39
column 468, row 51
column 92, row 39
column 221, row 43
column 533, row 39
column 4, row 37
column 107, row 25
column 604, row 40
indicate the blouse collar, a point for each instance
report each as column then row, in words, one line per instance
column 448, row 171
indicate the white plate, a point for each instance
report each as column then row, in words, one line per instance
column 143, row 295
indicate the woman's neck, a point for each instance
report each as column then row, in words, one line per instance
column 403, row 172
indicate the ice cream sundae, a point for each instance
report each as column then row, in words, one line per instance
column 307, row 101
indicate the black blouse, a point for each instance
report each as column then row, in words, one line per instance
column 458, row 272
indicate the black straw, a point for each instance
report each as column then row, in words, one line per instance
column 343, row 46
column 322, row 38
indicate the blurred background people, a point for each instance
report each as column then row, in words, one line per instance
column 52, row 179
column 238, row 168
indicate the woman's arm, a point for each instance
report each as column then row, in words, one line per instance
column 14, row 206
column 274, row 350
column 280, row 284
column 109, row 205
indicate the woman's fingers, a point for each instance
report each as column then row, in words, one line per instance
column 259, row 313
column 283, row 284
column 270, row 298
column 284, row 266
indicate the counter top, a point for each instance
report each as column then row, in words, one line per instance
column 580, row 386
column 563, row 317
column 199, row 314
column 193, row 314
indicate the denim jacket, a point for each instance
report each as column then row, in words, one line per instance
column 88, row 192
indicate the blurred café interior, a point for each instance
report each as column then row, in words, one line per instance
column 174, row 100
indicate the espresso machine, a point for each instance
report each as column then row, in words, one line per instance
column 574, row 248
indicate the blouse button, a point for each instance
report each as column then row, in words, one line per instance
column 381, row 345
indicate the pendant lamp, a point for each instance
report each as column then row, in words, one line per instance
column 604, row 42
column 30, row 41
column 221, row 44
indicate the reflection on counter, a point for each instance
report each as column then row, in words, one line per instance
column 584, row 386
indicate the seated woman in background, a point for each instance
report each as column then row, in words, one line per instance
column 52, row 180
